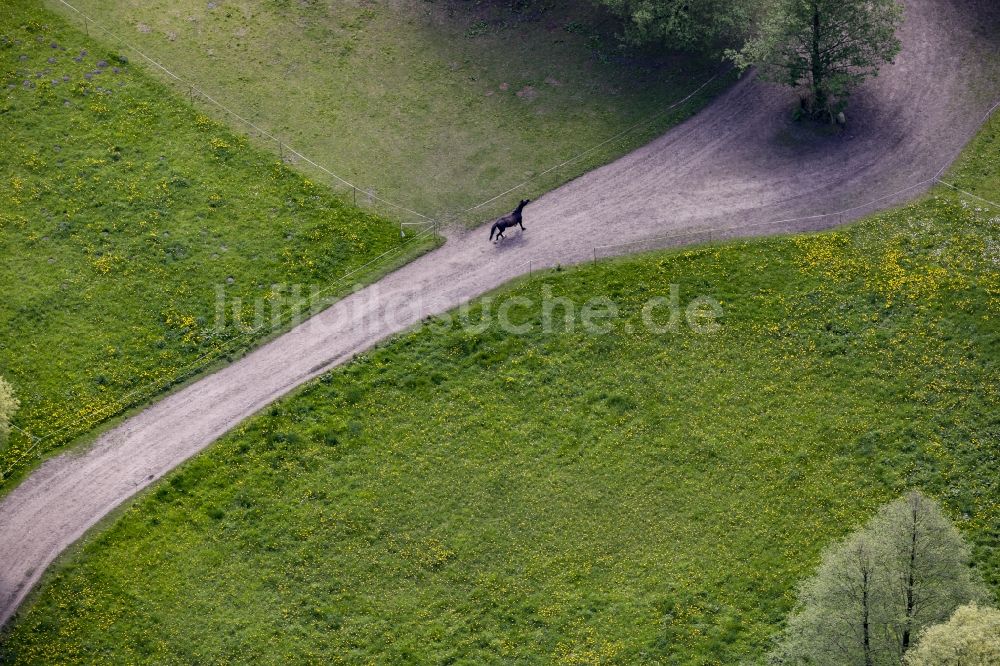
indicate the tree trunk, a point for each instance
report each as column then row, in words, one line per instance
column 816, row 63
column 865, row 628
column 910, row 580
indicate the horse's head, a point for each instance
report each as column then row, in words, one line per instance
column 524, row 202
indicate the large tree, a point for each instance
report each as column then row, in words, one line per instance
column 925, row 562
column 837, row 619
column 827, row 46
column 707, row 26
column 970, row 638
column 907, row 569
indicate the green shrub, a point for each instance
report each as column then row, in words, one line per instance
column 8, row 405
column 970, row 638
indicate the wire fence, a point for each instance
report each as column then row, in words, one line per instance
column 282, row 145
column 579, row 156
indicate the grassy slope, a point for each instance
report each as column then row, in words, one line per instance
column 569, row 497
column 405, row 96
column 121, row 211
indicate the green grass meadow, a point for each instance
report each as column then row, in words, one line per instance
column 122, row 212
column 127, row 205
column 436, row 104
column 569, row 497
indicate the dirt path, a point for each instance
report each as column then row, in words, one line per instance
column 737, row 164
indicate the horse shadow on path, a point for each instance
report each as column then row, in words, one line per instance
column 510, row 242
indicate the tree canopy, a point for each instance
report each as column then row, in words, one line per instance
column 970, row 638
column 688, row 25
column 904, row 571
column 828, row 46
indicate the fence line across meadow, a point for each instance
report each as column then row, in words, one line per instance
column 579, row 156
column 261, row 132
column 354, row 189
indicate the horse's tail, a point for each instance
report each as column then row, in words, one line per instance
column 492, row 231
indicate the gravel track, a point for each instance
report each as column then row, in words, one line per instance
column 738, row 164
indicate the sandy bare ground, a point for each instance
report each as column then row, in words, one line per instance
column 737, row 164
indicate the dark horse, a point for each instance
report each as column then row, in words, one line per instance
column 507, row 221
